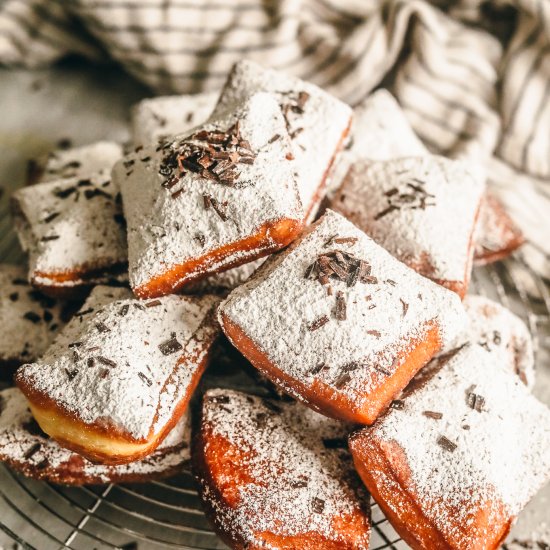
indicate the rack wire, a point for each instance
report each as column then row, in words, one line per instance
column 167, row 514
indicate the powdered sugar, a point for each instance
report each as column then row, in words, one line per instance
column 381, row 131
column 78, row 162
column 166, row 230
column 26, row 448
column 421, row 209
column 317, row 128
column 502, row 447
column 279, row 308
column 124, row 362
column 225, row 280
column 71, row 228
column 301, row 474
column 162, row 117
column 28, row 319
column 499, row 331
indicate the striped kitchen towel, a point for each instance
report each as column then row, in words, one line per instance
column 473, row 76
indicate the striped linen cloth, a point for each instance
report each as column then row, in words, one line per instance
column 472, row 76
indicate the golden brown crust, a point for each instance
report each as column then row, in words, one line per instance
column 45, row 408
column 509, row 235
column 387, row 485
column 224, row 469
column 271, row 237
column 327, row 400
column 77, row 282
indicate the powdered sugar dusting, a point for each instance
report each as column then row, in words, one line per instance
column 166, row 230
column 302, row 476
column 225, row 280
column 316, row 129
column 79, row 162
column 499, row 446
column 381, row 131
column 421, row 209
column 71, row 224
column 162, row 117
column 499, row 331
column 26, row 448
column 28, row 319
column 281, row 309
column 123, row 362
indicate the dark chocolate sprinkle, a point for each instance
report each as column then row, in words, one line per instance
column 124, row 310
column 170, row 346
column 433, row 414
column 105, row 361
column 102, row 327
column 447, row 444
column 145, row 379
column 32, row 451
column 318, row 323
column 340, row 312
column 318, row 505
column 32, row 316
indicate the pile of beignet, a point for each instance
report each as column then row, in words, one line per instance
column 334, row 253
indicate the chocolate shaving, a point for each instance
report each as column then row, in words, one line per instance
column 298, row 484
column 214, row 155
column 385, row 212
column 317, row 505
column 14, row 296
column 318, row 323
column 170, row 346
column 382, row 370
column 90, row 362
column 154, row 303
column 32, row 451
column 340, row 312
column 145, row 379
column 476, row 401
column 405, row 306
column 447, row 444
column 64, row 193
column 32, row 317
column 102, row 327
column 50, row 217
column 397, row 404
column 318, row 368
column 71, row 374
column 124, row 310
column 341, row 266
column 105, row 361
column 433, row 414
column 374, row 332
column 342, row 380
column 48, row 238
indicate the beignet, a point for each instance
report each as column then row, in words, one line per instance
column 318, row 123
column 220, row 197
column 337, row 322
column 120, row 375
column 423, row 210
column 461, row 455
column 27, row 449
column 277, row 475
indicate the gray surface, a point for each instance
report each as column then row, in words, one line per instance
column 87, row 104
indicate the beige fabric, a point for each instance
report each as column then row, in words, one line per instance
column 472, row 76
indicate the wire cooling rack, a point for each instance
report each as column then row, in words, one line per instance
column 168, row 514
